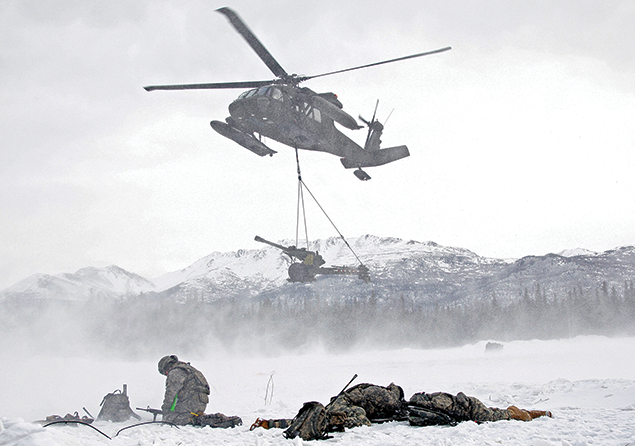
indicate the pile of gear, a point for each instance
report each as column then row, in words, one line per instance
column 115, row 407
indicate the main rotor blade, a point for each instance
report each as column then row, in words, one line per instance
column 253, row 41
column 246, row 84
column 304, row 78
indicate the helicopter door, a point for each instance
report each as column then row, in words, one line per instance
column 316, row 115
column 309, row 115
column 276, row 104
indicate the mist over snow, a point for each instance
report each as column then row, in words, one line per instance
column 587, row 382
column 422, row 295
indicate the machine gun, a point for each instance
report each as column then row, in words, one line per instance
column 312, row 263
column 154, row 412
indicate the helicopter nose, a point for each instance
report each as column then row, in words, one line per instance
column 237, row 109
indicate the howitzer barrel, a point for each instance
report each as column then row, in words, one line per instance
column 308, row 257
column 267, row 242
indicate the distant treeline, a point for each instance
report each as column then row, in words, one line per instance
column 149, row 325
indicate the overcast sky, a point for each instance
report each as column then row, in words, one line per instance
column 522, row 138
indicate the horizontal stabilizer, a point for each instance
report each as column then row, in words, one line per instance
column 376, row 157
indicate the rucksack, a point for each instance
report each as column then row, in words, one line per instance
column 380, row 403
column 116, row 407
column 201, row 383
column 309, row 423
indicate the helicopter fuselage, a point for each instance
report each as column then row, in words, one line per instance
column 287, row 115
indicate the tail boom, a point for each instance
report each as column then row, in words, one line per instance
column 375, row 157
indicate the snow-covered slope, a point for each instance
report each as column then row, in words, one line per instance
column 576, row 252
column 226, row 270
column 557, row 275
column 108, row 282
column 394, row 263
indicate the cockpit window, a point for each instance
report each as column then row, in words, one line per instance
column 262, row 91
column 276, row 94
column 247, row 94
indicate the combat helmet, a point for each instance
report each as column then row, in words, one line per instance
column 166, row 363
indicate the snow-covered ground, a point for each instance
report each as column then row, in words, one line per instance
column 587, row 382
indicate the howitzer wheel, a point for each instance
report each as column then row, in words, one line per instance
column 299, row 272
column 364, row 273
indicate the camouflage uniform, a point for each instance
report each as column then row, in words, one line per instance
column 186, row 391
column 359, row 406
column 281, row 423
column 442, row 408
column 364, row 404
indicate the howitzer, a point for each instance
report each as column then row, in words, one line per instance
column 311, row 264
column 308, row 257
column 154, row 412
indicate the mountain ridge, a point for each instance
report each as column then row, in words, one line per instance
column 422, row 272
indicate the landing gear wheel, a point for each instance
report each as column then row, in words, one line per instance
column 299, row 272
column 359, row 173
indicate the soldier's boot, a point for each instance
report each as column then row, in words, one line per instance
column 539, row 413
column 260, row 423
column 271, row 424
column 518, row 414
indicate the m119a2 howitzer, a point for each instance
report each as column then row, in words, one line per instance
column 311, row 264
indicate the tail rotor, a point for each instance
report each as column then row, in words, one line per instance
column 370, row 124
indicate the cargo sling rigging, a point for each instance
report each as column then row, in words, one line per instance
column 301, row 186
column 310, row 263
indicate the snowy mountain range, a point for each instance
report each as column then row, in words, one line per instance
column 422, row 272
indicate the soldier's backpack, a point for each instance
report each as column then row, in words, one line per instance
column 116, row 407
column 380, row 403
column 309, row 424
column 201, row 383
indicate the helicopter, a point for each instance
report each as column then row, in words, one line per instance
column 295, row 116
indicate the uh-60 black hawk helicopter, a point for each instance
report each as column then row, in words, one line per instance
column 296, row 116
